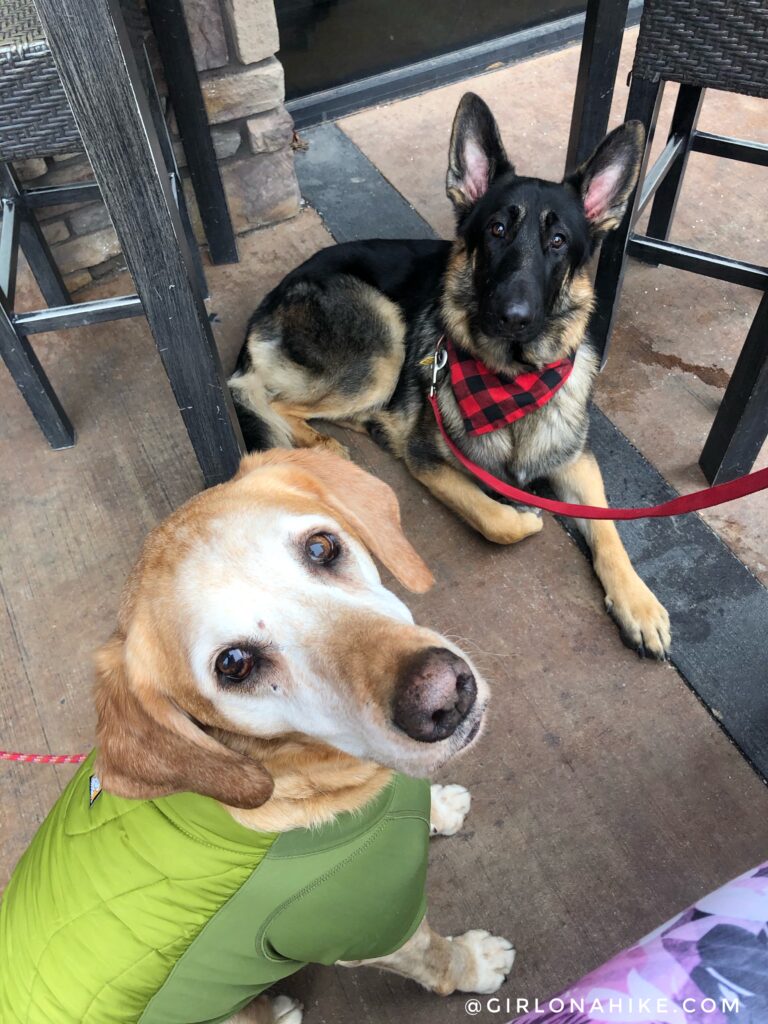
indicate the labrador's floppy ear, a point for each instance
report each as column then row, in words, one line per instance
column 476, row 154
column 147, row 747
column 364, row 502
column 606, row 181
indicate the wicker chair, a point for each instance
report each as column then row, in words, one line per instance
column 36, row 121
column 719, row 44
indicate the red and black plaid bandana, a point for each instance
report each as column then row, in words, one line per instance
column 488, row 401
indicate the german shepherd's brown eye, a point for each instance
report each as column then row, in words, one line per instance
column 235, row 664
column 322, row 548
column 557, row 241
column 497, row 229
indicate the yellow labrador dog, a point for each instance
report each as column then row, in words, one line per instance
column 265, row 700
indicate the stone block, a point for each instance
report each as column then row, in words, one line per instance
column 253, row 27
column 226, row 142
column 27, row 170
column 86, row 251
column 206, row 33
column 109, row 267
column 260, row 190
column 55, row 231
column 77, row 280
column 269, row 132
column 86, row 219
column 231, row 95
column 70, row 172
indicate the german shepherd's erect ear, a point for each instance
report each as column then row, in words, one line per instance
column 476, row 155
column 606, row 181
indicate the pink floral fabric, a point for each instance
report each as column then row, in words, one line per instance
column 709, row 965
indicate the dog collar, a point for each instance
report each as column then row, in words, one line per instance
column 488, row 401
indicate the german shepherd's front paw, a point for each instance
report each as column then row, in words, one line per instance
column 489, row 960
column 508, row 526
column 642, row 619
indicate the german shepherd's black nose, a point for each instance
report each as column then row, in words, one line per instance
column 517, row 315
column 435, row 693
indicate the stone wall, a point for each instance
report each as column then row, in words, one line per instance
column 234, row 42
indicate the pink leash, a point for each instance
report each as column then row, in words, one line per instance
column 14, row 755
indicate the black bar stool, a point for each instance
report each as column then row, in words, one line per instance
column 720, row 44
column 151, row 218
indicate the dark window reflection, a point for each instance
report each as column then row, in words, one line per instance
column 330, row 42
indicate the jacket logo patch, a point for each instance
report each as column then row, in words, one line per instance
column 94, row 788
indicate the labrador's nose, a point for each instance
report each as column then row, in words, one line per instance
column 435, row 693
column 517, row 314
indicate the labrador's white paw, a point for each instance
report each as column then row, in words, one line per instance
column 286, row 1010
column 489, row 961
column 450, row 806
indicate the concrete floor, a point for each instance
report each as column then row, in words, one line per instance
column 605, row 795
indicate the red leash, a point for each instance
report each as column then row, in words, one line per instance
column 13, row 755
column 708, row 498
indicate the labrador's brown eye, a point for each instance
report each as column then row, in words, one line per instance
column 322, row 548
column 497, row 229
column 235, row 664
column 557, row 241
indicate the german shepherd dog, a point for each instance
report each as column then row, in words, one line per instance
column 348, row 337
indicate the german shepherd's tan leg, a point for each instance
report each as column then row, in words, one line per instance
column 499, row 523
column 302, row 434
column 269, row 1010
column 473, row 962
column 643, row 620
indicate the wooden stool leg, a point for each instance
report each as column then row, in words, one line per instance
column 642, row 105
column 163, row 137
column 741, row 424
column 687, row 108
column 95, row 61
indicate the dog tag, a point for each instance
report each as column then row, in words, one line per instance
column 94, row 788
